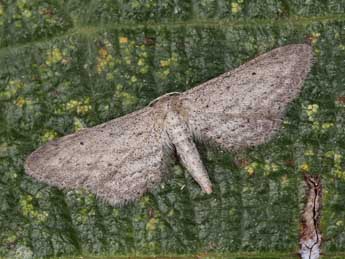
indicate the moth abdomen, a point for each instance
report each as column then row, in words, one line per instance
column 181, row 137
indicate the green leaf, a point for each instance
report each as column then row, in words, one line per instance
column 69, row 64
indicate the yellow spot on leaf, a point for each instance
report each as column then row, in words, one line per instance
column 49, row 135
column 141, row 62
column 27, row 13
column 314, row 37
column 235, row 7
column 164, row 63
column 152, row 224
column 78, row 124
column 339, row 223
column 81, row 107
column 274, row 167
column 144, row 69
column 103, row 59
column 340, row 174
column 103, row 53
column 284, row 180
column 166, row 72
column 327, row 125
column 109, row 76
column 11, row 89
column 305, row 167
column 337, row 158
column 312, row 109
column 316, row 125
column 171, row 213
column 127, row 99
column 20, row 102
column 329, row 154
column 54, row 56
column 134, row 79
column 309, row 152
column 123, row 40
column 251, row 168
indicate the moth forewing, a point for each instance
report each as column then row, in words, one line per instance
column 244, row 107
column 118, row 161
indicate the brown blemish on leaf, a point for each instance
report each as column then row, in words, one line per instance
column 340, row 100
column 310, row 235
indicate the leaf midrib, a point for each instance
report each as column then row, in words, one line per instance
column 88, row 31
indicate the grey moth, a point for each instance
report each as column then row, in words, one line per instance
column 123, row 158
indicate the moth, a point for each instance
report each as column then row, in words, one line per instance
column 123, row 158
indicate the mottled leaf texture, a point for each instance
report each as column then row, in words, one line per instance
column 123, row 158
